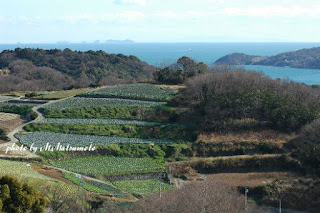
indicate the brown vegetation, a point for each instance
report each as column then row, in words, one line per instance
column 245, row 163
column 208, row 196
column 38, row 69
column 228, row 99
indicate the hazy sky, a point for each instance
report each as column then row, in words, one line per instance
column 159, row 20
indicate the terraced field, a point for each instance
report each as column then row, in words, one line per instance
column 133, row 91
column 42, row 138
column 97, row 121
column 92, row 186
column 61, row 94
column 142, row 187
column 20, row 170
column 4, row 98
column 97, row 166
column 93, row 102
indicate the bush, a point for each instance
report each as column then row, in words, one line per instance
column 234, row 99
column 16, row 109
column 31, row 94
column 177, row 73
column 3, row 135
column 307, row 147
column 18, row 197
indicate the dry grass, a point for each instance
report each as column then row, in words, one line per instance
column 173, row 87
column 254, row 137
column 10, row 122
column 51, row 173
column 63, row 94
column 253, row 178
column 7, row 116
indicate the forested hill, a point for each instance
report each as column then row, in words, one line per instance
column 305, row 58
column 38, row 69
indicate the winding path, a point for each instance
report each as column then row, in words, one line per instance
column 14, row 140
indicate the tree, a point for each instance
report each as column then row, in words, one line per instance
column 16, row 197
column 307, row 146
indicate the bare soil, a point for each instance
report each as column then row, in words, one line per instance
column 51, row 173
column 10, row 125
column 254, row 179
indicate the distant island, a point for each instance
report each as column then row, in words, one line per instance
column 305, row 59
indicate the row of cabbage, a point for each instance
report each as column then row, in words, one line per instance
column 105, row 166
column 96, row 121
column 133, row 91
column 40, row 139
column 4, row 98
column 79, row 102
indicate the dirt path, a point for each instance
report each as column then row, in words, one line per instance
column 13, row 140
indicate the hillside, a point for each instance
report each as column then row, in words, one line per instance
column 38, row 69
column 305, row 58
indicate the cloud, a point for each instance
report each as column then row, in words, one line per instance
column 273, row 11
column 132, row 2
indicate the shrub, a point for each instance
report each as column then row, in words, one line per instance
column 307, row 146
column 222, row 100
column 18, row 197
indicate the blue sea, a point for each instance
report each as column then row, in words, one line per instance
column 162, row 54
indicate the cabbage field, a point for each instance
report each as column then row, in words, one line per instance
column 20, row 170
column 79, row 102
column 6, row 98
column 93, row 186
column 133, row 91
column 40, row 139
column 97, row 166
column 97, row 121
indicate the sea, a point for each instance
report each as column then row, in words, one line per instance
column 163, row 54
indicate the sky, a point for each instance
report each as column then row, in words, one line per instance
column 45, row 21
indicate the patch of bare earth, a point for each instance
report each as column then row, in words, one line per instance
column 254, row 178
column 173, row 87
column 10, row 121
column 49, row 172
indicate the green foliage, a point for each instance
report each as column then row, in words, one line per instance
column 18, row 197
column 165, row 132
column 97, row 121
column 52, row 154
column 3, row 135
column 109, row 188
column 159, row 113
column 133, row 91
column 83, row 183
column 16, row 109
column 177, row 73
column 159, row 152
column 31, row 94
column 103, row 166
